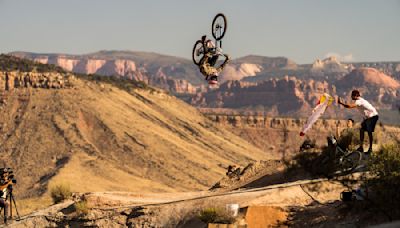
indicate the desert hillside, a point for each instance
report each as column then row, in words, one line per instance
column 98, row 137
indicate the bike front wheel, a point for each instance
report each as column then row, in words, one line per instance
column 350, row 161
column 219, row 26
column 198, row 52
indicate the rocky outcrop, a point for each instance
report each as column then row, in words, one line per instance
column 267, row 63
column 329, row 65
column 12, row 80
column 63, row 62
column 121, row 67
column 237, row 72
column 262, row 121
column 365, row 76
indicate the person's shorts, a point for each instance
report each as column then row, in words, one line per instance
column 369, row 124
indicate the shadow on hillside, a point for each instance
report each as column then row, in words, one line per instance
column 299, row 167
column 280, row 177
column 335, row 214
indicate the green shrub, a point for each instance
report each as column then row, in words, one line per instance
column 60, row 193
column 81, row 207
column 216, row 215
column 385, row 184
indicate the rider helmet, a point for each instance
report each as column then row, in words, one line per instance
column 210, row 44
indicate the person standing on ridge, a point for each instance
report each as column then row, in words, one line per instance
column 370, row 117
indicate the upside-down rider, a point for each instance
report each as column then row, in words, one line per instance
column 208, row 61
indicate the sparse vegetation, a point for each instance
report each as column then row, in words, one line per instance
column 215, row 215
column 12, row 63
column 117, row 81
column 60, row 192
column 81, row 207
column 29, row 205
column 384, row 187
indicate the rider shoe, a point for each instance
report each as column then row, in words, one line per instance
column 360, row 149
column 368, row 152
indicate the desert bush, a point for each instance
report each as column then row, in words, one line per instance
column 385, row 184
column 81, row 207
column 216, row 215
column 60, row 192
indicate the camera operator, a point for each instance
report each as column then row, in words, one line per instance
column 6, row 181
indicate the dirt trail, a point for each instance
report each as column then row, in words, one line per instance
column 167, row 208
column 301, row 203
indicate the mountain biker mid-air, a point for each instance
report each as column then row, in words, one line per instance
column 207, row 63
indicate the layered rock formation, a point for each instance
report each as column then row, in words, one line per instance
column 286, row 95
column 368, row 76
column 295, row 97
column 237, row 72
column 330, row 65
column 268, row 63
column 11, row 80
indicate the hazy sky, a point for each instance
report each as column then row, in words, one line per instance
column 302, row 30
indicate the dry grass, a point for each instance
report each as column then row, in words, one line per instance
column 216, row 215
column 60, row 192
column 81, row 208
column 27, row 206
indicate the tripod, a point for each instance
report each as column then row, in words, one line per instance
column 12, row 200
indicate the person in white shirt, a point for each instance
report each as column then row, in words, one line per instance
column 370, row 117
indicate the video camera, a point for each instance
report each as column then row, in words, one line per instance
column 7, row 176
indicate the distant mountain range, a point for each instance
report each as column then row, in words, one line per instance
column 174, row 74
column 273, row 84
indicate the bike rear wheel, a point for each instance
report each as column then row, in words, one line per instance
column 350, row 161
column 198, row 52
column 219, row 26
